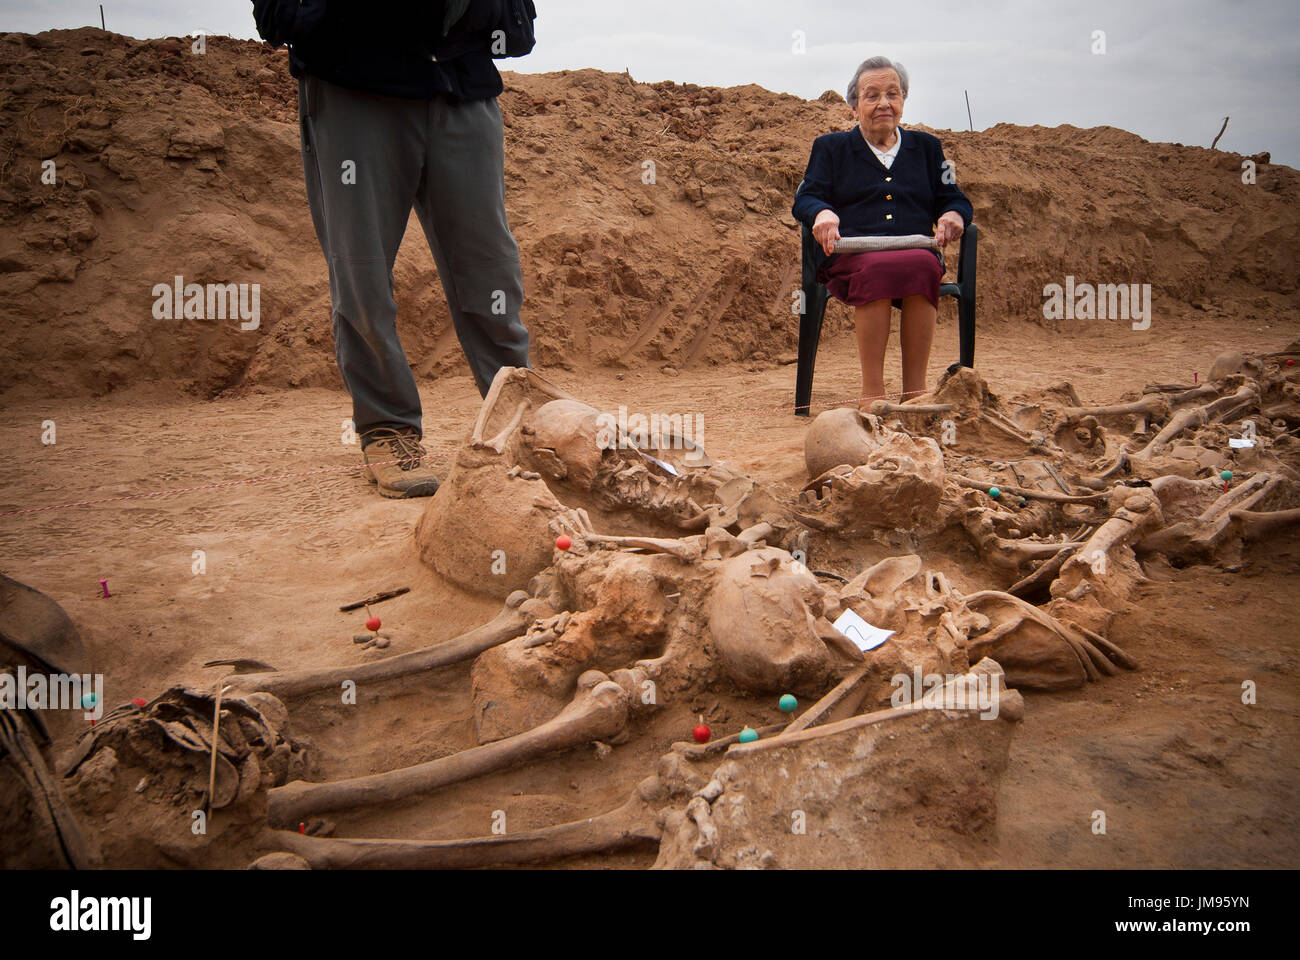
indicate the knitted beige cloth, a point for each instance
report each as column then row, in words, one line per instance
column 861, row 244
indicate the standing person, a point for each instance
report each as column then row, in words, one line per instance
column 397, row 109
column 881, row 180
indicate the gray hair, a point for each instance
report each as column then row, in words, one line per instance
column 875, row 63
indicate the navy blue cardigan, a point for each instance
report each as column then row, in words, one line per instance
column 845, row 177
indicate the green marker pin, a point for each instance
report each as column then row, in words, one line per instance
column 748, row 735
column 787, row 703
column 994, row 492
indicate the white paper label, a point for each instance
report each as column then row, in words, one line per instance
column 661, row 463
column 860, row 632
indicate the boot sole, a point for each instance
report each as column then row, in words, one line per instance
column 396, row 494
column 403, row 494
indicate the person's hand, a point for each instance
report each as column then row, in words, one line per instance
column 950, row 227
column 826, row 230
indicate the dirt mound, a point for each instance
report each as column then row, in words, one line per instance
column 175, row 163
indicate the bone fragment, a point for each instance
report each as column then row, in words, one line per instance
column 1197, row 417
column 698, row 751
column 1028, row 493
column 498, row 443
column 881, row 408
column 1011, row 707
column 1152, row 406
column 520, row 610
column 1014, row 432
column 504, row 376
column 631, row 824
column 599, row 711
column 1258, row 525
column 826, row 703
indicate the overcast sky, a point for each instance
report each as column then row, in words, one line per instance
column 1172, row 70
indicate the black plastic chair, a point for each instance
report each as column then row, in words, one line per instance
column 814, row 301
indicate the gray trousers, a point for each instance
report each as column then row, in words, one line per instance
column 368, row 159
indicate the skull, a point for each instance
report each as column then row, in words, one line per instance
column 762, row 614
column 890, row 481
column 563, row 442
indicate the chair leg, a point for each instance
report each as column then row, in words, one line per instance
column 810, row 332
column 966, row 303
column 966, row 329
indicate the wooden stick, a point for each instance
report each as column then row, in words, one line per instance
column 1221, row 129
column 377, row 598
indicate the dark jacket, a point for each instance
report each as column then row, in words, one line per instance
column 397, row 48
column 845, row 176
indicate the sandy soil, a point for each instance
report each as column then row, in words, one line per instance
column 1188, row 775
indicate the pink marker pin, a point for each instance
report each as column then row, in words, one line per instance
column 103, row 585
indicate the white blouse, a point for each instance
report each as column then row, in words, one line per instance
column 886, row 157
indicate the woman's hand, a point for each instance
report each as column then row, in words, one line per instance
column 950, row 227
column 826, row 230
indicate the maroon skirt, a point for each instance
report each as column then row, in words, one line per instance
column 860, row 278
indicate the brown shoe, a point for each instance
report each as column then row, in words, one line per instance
column 411, row 476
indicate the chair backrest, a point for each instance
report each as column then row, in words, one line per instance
column 809, row 263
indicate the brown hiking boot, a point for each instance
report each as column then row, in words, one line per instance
column 411, row 477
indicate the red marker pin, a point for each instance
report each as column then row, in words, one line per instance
column 140, row 702
column 563, row 542
column 701, row 733
column 302, row 827
column 103, row 585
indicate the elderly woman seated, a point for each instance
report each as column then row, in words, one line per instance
column 881, row 180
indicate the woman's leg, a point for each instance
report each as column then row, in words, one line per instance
column 872, row 323
column 916, row 332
